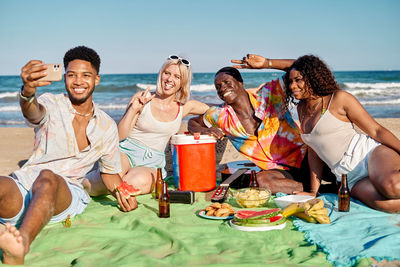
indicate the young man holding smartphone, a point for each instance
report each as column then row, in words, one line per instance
column 71, row 134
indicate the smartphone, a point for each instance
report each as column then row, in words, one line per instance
column 54, row 73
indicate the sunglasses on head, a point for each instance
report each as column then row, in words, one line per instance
column 184, row 61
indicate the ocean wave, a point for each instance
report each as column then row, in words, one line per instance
column 202, row 87
column 143, row 86
column 9, row 95
column 12, row 122
column 10, row 108
column 381, row 102
column 359, row 85
column 375, row 92
column 111, row 106
column 193, row 87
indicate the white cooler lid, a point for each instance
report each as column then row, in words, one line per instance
column 183, row 139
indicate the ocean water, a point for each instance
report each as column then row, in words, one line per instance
column 378, row 91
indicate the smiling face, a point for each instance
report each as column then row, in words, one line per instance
column 171, row 80
column 80, row 80
column 228, row 88
column 298, row 85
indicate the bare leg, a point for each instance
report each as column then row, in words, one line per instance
column 142, row 178
column 10, row 205
column 93, row 184
column 277, row 182
column 50, row 196
column 381, row 190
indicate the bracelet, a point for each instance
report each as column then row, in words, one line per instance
column 269, row 64
column 28, row 99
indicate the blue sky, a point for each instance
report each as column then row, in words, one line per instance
column 136, row 36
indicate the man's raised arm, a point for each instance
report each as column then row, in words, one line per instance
column 30, row 74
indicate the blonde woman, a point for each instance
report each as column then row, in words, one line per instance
column 150, row 121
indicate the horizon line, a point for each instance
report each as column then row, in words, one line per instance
column 245, row 70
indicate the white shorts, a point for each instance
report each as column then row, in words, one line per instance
column 80, row 200
column 354, row 162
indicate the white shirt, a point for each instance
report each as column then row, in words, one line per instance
column 56, row 149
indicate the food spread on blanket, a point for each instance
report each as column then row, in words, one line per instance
column 252, row 197
column 253, row 218
column 126, row 190
column 312, row 211
column 219, row 210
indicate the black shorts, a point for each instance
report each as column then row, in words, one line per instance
column 302, row 175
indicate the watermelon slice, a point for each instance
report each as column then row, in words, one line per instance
column 246, row 215
column 126, row 190
column 275, row 220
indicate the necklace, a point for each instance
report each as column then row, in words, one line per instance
column 83, row 115
column 312, row 113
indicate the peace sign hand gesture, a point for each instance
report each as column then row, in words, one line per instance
column 140, row 99
column 251, row 62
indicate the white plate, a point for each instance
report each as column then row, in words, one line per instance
column 203, row 214
column 261, row 228
column 283, row 202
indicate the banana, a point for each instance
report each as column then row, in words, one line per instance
column 294, row 208
column 314, row 213
column 316, row 204
column 310, row 211
column 323, row 219
column 305, row 217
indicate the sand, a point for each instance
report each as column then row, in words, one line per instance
column 16, row 146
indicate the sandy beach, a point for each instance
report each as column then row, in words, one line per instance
column 16, row 145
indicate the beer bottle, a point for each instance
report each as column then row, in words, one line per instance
column 344, row 195
column 253, row 180
column 158, row 186
column 163, row 201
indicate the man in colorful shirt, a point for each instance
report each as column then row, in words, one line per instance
column 71, row 134
column 259, row 127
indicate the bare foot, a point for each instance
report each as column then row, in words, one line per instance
column 12, row 244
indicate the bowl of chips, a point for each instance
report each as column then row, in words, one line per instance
column 252, row 197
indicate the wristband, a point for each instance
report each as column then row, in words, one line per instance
column 28, row 99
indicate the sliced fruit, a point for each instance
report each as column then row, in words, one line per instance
column 126, row 190
column 275, row 220
column 244, row 215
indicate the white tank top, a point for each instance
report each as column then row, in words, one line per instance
column 152, row 133
column 330, row 138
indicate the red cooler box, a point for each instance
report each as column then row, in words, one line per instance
column 193, row 159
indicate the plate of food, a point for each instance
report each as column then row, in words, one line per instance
column 263, row 220
column 217, row 211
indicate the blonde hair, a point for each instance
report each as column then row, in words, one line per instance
column 183, row 94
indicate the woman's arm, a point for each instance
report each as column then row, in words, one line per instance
column 356, row 113
column 135, row 106
column 252, row 61
column 316, row 168
column 193, row 107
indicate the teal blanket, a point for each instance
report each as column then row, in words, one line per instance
column 360, row 233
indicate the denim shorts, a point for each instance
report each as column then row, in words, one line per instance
column 354, row 162
column 80, row 200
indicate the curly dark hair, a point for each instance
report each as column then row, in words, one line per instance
column 83, row 53
column 316, row 74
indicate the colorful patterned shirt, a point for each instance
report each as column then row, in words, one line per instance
column 278, row 143
column 56, row 149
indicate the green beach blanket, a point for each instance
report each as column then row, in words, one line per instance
column 105, row 236
column 361, row 232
